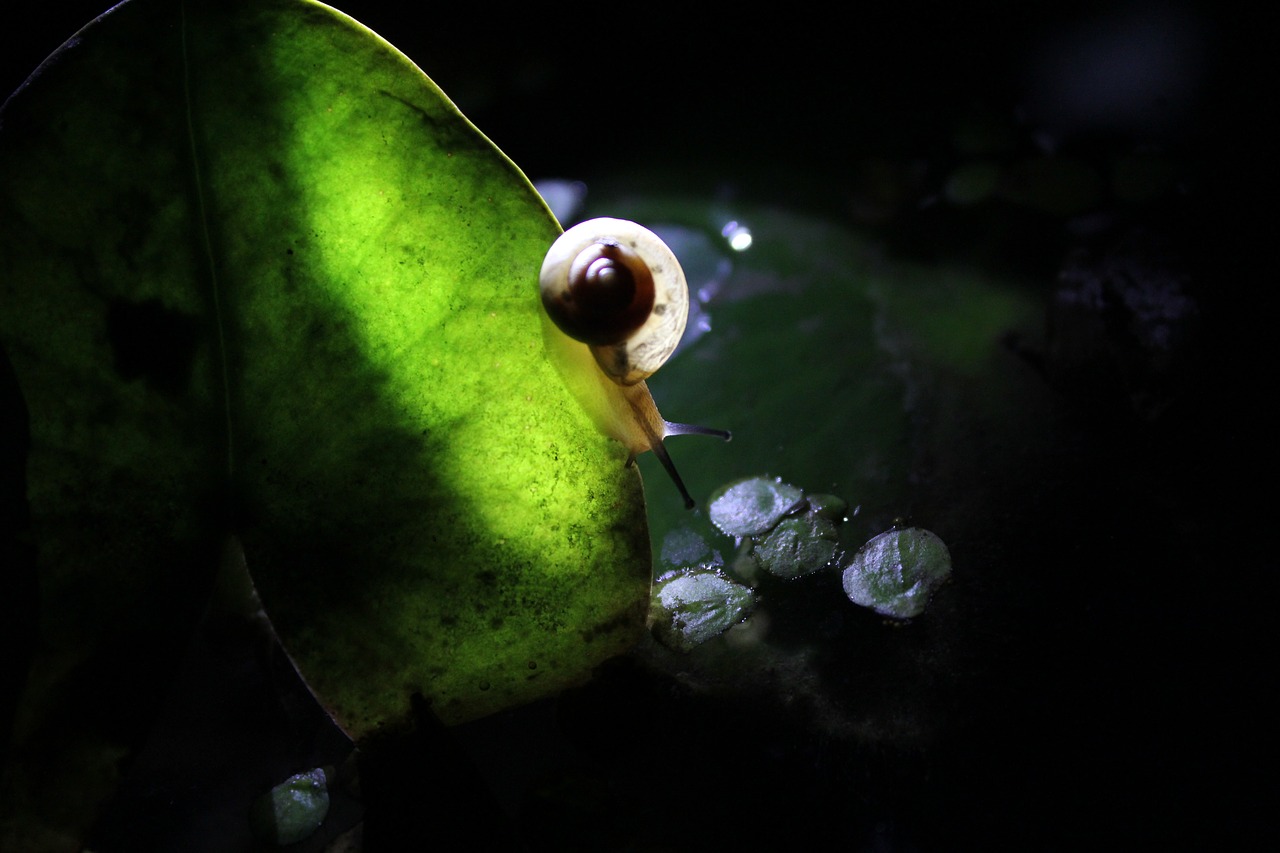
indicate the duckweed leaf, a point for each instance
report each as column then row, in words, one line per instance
column 751, row 506
column 690, row 607
column 895, row 573
column 831, row 507
column 798, row 546
column 292, row 810
column 683, row 547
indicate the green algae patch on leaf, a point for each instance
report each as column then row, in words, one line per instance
column 261, row 276
column 896, row 572
column 751, row 506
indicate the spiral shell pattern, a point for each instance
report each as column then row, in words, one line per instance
column 616, row 287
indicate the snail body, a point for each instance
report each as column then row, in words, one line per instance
column 612, row 289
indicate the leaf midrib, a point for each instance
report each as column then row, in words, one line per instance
column 206, row 245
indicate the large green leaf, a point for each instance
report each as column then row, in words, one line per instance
column 258, row 275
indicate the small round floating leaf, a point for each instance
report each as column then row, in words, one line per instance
column 689, row 608
column 798, row 546
column 752, row 506
column 292, row 810
column 745, row 565
column 895, row 573
column 831, row 507
column 683, row 548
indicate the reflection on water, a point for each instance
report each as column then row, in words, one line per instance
column 564, row 198
column 737, row 234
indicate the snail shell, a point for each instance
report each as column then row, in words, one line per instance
column 616, row 287
column 617, row 290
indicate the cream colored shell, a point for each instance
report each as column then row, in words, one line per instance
column 649, row 346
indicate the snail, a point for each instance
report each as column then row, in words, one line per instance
column 617, row 290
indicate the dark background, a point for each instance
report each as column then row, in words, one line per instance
column 792, row 107
column 738, row 93
column 1171, row 740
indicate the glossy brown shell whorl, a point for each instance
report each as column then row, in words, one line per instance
column 616, row 287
